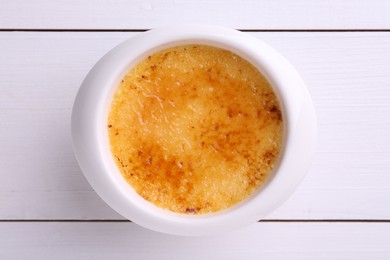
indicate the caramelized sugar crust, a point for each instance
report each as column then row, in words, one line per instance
column 195, row 129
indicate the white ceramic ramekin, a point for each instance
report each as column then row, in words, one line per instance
column 91, row 145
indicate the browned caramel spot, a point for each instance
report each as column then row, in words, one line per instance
column 195, row 129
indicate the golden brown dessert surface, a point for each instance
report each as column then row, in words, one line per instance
column 195, row 129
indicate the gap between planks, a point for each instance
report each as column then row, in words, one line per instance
column 264, row 220
column 143, row 30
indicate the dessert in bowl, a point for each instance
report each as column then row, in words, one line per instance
column 193, row 130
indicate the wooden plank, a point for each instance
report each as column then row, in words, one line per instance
column 51, row 240
column 347, row 74
column 245, row 14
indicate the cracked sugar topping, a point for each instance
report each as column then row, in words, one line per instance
column 195, row 129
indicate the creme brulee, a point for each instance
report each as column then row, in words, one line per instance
column 195, row 129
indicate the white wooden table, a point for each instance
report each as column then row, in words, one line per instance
column 341, row 210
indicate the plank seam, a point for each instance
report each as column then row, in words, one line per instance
column 264, row 220
column 143, row 30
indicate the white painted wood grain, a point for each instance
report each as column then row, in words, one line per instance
column 347, row 75
column 53, row 240
column 240, row 14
